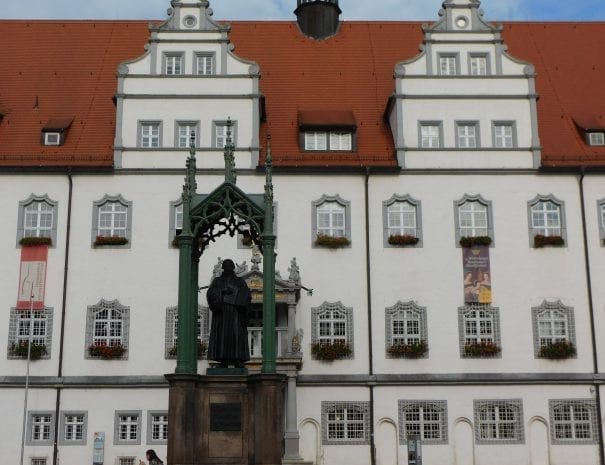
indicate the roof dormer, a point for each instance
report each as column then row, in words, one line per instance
column 55, row 130
column 592, row 129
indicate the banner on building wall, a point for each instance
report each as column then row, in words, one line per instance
column 98, row 448
column 477, row 275
column 32, row 277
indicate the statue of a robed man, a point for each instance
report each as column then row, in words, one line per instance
column 229, row 299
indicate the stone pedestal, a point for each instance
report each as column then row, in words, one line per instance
column 225, row 419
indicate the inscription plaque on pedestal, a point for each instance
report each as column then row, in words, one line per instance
column 226, row 417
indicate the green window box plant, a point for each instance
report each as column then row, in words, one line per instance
column 482, row 349
column 403, row 240
column 329, row 351
column 413, row 350
column 110, row 240
column 19, row 349
column 33, row 241
column 470, row 241
column 332, row 242
column 557, row 350
column 540, row 240
column 106, row 352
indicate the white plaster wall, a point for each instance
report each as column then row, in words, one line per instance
column 173, row 86
column 465, row 85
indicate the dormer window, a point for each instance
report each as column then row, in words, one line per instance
column 596, row 138
column 52, row 138
column 173, row 64
column 54, row 131
column 327, row 131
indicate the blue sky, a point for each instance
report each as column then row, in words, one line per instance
column 496, row 10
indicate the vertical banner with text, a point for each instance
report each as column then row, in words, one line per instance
column 32, row 277
column 477, row 275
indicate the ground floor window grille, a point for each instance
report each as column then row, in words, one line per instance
column 424, row 419
column 573, row 421
column 499, row 421
column 345, row 422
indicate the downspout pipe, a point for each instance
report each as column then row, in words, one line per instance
column 369, row 307
column 63, row 311
column 593, row 334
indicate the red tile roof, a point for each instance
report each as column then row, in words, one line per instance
column 67, row 69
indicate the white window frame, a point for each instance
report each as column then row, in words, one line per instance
column 449, row 64
column 208, row 62
column 474, row 228
column 596, row 139
column 411, row 320
column 331, row 205
column 541, row 207
column 352, row 418
column 149, row 134
column 174, row 64
column 67, row 425
column 107, row 323
column 127, row 427
column 332, row 322
column 499, row 421
column 430, row 134
column 116, row 228
column 341, row 141
column 571, row 420
column 182, row 134
column 473, row 69
column 504, row 140
column 467, row 135
column 427, row 418
column 316, row 141
column 478, row 323
column 601, row 220
column 157, row 419
column 19, row 327
column 552, row 322
column 33, row 206
column 171, row 330
column 40, row 428
column 52, row 138
column 220, row 134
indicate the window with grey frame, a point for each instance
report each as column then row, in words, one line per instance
column 499, row 421
column 504, row 134
column 402, row 221
column 406, row 325
column 479, row 331
column 478, row 64
column 573, row 421
column 430, row 134
column 157, row 427
column 150, row 134
column 127, row 427
column 546, row 218
column 448, row 64
column 73, row 428
column 333, row 140
column 601, row 220
column 345, row 423
column 331, row 217
column 21, row 322
column 332, row 323
column 467, row 134
column 173, row 63
column 426, row 419
column 107, row 330
column 37, row 217
column 554, row 330
column 474, row 218
column 41, row 428
column 204, row 64
column 185, row 132
column 172, row 331
column 220, row 133
column 112, row 222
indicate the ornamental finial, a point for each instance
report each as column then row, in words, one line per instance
column 230, row 175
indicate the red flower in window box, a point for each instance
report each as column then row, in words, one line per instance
column 331, row 242
column 413, row 350
column 482, row 349
column 330, row 350
column 106, row 352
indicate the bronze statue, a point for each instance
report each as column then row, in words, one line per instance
column 229, row 299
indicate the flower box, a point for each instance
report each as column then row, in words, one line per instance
column 329, row 351
column 403, row 240
column 482, row 349
column 110, row 240
column 332, row 242
column 540, row 240
column 202, row 348
column 413, row 350
column 557, row 350
column 33, row 241
column 19, row 349
column 106, row 352
column 470, row 241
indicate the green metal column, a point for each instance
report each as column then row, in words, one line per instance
column 268, row 240
column 188, row 262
